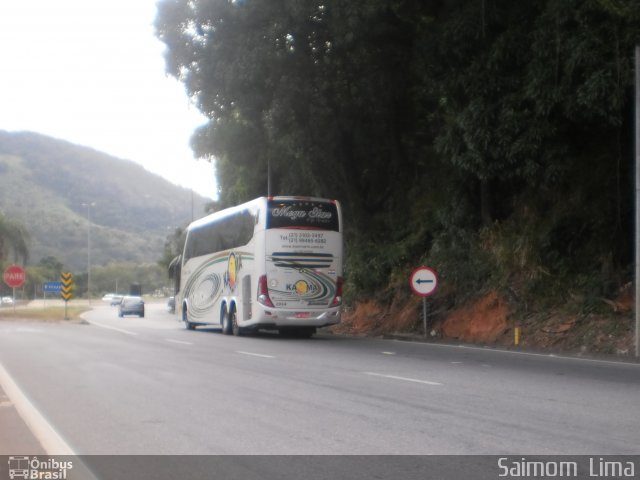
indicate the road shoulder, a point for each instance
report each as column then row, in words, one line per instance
column 15, row 436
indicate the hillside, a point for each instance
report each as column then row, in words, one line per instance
column 45, row 181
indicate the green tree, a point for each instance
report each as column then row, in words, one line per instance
column 489, row 135
column 14, row 240
column 173, row 246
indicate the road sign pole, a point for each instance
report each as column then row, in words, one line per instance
column 637, row 222
column 423, row 282
column 424, row 314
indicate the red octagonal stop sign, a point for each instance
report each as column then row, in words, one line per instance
column 14, row 276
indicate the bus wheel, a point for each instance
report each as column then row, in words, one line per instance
column 237, row 331
column 227, row 327
column 185, row 318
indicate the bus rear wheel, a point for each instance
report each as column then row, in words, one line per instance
column 185, row 318
column 237, row 331
column 227, row 327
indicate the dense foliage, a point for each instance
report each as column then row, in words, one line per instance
column 491, row 139
column 13, row 241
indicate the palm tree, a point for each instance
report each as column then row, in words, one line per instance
column 13, row 240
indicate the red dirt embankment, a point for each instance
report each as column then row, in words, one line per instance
column 490, row 319
column 483, row 321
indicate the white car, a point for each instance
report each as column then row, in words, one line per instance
column 7, row 301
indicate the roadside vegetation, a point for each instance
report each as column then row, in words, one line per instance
column 492, row 141
column 44, row 314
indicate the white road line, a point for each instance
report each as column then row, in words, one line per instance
column 109, row 327
column 28, row 330
column 50, row 440
column 525, row 354
column 181, row 342
column 388, row 353
column 255, row 354
column 394, row 377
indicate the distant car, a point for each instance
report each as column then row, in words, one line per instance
column 171, row 305
column 116, row 299
column 131, row 306
column 7, row 301
column 108, row 297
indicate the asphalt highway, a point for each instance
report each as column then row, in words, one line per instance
column 140, row 386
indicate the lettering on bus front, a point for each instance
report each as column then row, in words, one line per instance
column 304, row 238
column 307, row 214
column 288, row 211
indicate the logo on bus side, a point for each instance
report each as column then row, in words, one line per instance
column 234, row 264
column 301, row 287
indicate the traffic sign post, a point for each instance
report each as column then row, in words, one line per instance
column 14, row 276
column 66, row 291
column 50, row 287
column 423, row 282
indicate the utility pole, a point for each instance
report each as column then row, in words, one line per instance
column 89, row 205
column 637, row 239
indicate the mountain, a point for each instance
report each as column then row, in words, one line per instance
column 44, row 183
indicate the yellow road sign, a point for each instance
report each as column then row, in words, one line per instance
column 67, row 286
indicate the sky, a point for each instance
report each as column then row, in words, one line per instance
column 92, row 72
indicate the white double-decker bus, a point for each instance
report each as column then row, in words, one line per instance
column 274, row 263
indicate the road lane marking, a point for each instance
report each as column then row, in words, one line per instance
column 181, row 342
column 255, row 354
column 28, row 330
column 109, row 327
column 50, row 440
column 388, row 353
column 406, row 379
column 525, row 354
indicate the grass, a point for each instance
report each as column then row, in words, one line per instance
column 47, row 314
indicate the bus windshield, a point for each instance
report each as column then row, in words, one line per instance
column 302, row 214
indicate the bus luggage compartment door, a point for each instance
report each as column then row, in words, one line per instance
column 246, row 297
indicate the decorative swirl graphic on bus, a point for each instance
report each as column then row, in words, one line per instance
column 203, row 293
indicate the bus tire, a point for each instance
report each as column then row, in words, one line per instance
column 237, row 331
column 227, row 327
column 185, row 318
